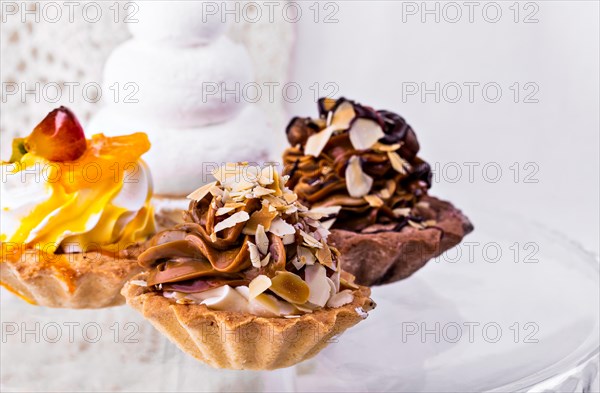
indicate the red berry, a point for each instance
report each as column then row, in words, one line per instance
column 59, row 137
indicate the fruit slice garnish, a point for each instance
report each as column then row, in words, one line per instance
column 18, row 149
column 59, row 137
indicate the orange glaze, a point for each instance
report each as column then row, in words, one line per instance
column 101, row 168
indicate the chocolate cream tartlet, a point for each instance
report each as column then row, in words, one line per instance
column 360, row 167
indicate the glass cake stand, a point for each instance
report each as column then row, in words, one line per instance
column 514, row 308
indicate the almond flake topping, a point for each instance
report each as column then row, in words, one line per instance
column 341, row 119
column 262, row 191
column 358, row 183
column 254, row 254
column 262, row 242
column 317, row 213
column 259, row 285
column 238, row 194
column 324, row 255
column 280, row 228
column 364, row 133
column 402, row 211
column 305, row 256
column 398, row 163
column 373, row 200
column 310, row 240
column 231, row 221
column 385, row 148
column 263, row 217
column 201, row 192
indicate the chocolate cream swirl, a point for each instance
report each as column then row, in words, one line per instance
column 399, row 177
column 248, row 226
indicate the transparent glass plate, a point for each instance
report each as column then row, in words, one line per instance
column 515, row 307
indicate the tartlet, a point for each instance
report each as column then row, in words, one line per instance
column 360, row 166
column 249, row 280
column 75, row 214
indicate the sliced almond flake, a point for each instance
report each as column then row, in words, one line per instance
column 259, row 285
column 343, row 115
column 235, row 205
column 328, row 224
column 358, row 183
column 345, row 282
column 398, row 163
column 260, row 191
column 254, row 254
column 290, row 197
column 201, row 192
column 305, row 256
column 290, row 287
column 416, row 224
column 312, row 223
column 291, row 210
column 277, row 203
column 402, row 211
column 316, row 279
column 316, row 142
column 262, row 217
column 232, row 220
column 340, row 299
column 237, row 194
column 216, row 190
column 281, row 228
column 385, row 148
column 267, row 175
column 323, row 232
column 265, row 261
column 268, row 302
column 336, row 277
column 213, row 237
column 324, row 255
column 262, row 241
column 306, row 308
column 278, row 184
column 227, row 173
column 310, row 240
column 364, row 133
column 317, row 213
column 329, row 118
column 341, row 119
column 224, row 210
column 332, row 285
column 288, row 239
column 429, row 223
column 373, row 200
column 391, row 186
column 385, row 193
column 244, row 185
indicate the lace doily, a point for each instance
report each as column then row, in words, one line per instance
column 62, row 61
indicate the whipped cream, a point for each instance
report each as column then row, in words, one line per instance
column 181, row 81
column 39, row 210
column 178, row 23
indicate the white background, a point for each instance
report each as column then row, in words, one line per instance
column 371, row 52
